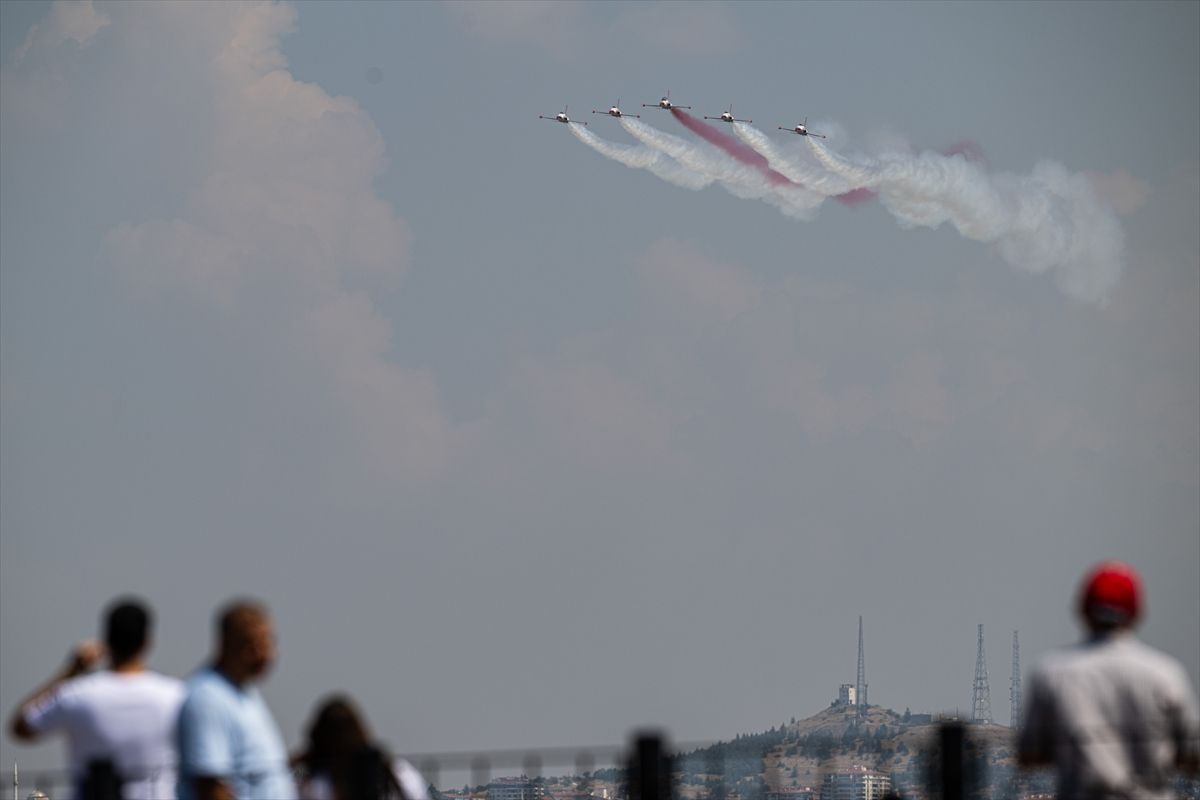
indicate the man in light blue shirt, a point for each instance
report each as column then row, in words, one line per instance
column 229, row 744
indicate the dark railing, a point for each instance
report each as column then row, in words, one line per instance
column 952, row 766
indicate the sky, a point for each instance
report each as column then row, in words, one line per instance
column 526, row 448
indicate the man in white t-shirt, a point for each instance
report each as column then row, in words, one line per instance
column 1115, row 716
column 122, row 717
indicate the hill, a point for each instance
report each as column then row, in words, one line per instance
column 799, row 754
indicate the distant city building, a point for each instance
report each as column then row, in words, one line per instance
column 511, row 789
column 794, row 793
column 855, row 783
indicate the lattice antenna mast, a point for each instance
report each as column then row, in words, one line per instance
column 1014, row 693
column 981, row 703
column 860, row 682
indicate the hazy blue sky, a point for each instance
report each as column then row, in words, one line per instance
column 528, row 448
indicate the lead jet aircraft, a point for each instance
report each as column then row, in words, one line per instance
column 561, row 117
column 803, row 130
column 665, row 103
column 615, row 111
column 727, row 116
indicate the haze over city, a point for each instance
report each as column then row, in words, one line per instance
column 524, row 447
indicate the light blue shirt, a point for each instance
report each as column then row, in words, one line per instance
column 228, row 732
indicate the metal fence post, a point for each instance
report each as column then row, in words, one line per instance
column 649, row 770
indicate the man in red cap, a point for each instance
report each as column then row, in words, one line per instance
column 1115, row 716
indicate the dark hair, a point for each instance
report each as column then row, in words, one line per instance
column 127, row 624
column 235, row 617
column 340, row 750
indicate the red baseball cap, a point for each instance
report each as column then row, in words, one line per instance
column 1111, row 593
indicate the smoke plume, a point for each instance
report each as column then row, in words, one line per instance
column 740, row 179
column 798, row 171
column 734, row 148
column 748, row 154
column 642, row 157
column 1049, row 220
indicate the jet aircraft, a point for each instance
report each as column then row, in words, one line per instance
column 615, row 111
column 665, row 103
column 727, row 116
column 561, row 117
column 803, row 130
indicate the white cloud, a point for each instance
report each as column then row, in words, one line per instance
column 591, row 414
column 798, row 387
column 828, row 362
column 681, row 275
column 917, row 397
column 281, row 226
column 34, row 82
column 68, row 21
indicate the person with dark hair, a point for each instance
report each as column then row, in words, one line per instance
column 229, row 744
column 1115, row 716
column 341, row 762
column 118, row 722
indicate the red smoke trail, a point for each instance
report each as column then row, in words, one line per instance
column 740, row 151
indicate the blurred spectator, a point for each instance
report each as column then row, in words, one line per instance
column 1113, row 715
column 341, row 763
column 229, row 744
column 118, row 722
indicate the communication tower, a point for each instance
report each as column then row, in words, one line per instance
column 860, row 683
column 981, row 703
column 1014, row 693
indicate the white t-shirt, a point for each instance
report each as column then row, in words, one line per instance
column 1114, row 714
column 126, row 717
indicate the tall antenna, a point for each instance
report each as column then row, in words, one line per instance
column 981, row 703
column 860, row 682
column 1014, row 693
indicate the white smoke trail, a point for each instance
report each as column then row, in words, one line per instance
column 794, row 168
column 642, row 157
column 1048, row 220
column 738, row 179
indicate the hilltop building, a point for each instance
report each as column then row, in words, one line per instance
column 855, row 694
column 855, row 783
